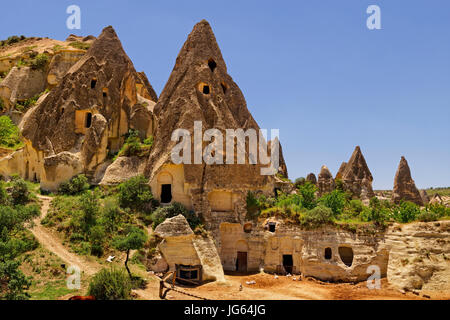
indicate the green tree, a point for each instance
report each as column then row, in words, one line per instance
column 318, row 216
column 135, row 193
column 110, row 215
column 20, row 193
column 335, row 200
column 9, row 133
column 174, row 209
column 406, row 212
column 3, row 194
column 308, row 194
column 76, row 185
column 134, row 240
column 90, row 207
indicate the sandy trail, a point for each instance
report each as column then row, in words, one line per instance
column 52, row 243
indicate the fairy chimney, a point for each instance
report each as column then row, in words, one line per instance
column 404, row 186
column 325, row 182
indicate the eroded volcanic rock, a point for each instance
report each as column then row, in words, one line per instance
column 356, row 176
column 404, row 186
column 325, row 183
column 89, row 111
column 200, row 89
column 424, row 196
column 312, row 178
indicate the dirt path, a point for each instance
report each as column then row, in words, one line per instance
column 52, row 243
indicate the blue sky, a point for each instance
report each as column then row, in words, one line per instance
column 308, row 67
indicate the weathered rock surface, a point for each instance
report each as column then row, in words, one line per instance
column 181, row 246
column 200, row 89
column 88, row 112
column 327, row 253
column 404, row 186
column 122, row 169
column 424, row 196
column 436, row 199
column 356, row 176
column 21, row 84
column 419, row 256
column 325, row 183
column 341, row 171
column 311, row 178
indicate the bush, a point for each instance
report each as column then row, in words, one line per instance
column 3, row 194
column 376, row 212
column 19, row 191
column 110, row 215
column 299, row 182
column 308, row 194
column 406, row 212
column 74, row 186
column 135, row 193
column 110, row 284
column 89, row 208
column 318, row 216
column 163, row 213
column 39, row 62
column 97, row 238
column 9, row 134
column 335, row 200
column 253, row 208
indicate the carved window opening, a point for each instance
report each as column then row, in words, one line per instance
column 88, row 121
column 328, row 253
column 206, row 90
column 272, row 226
column 93, row 83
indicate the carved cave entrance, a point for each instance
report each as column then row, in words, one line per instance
column 328, row 253
column 346, row 254
column 288, row 263
column 241, row 261
column 88, row 120
column 166, row 193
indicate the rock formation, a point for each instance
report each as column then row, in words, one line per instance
column 436, row 199
column 356, row 176
column 86, row 116
column 341, row 171
column 424, row 196
column 182, row 247
column 404, row 186
column 312, row 178
column 325, row 183
column 200, row 89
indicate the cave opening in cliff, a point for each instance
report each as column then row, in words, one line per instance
column 206, row 89
column 166, row 193
column 93, row 83
column 328, row 253
column 212, row 64
column 88, row 121
column 272, row 226
column 346, row 254
column 288, row 263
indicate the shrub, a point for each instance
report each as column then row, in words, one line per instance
column 376, row 212
column 110, row 215
column 299, row 182
column 318, row 216
column 110, row 284
column 335, row 200
column 80, row 45
column 3, row 194
column 406, row 212
column 253, row 208
column 19, row 191
column 74, row 186
column 355, row 207
column 39, row 62
column 97, row 238
column 308, row 194
column 162, row 213
column 135, row 193
column 89, row 208
column 9, row 133
column 428, row 216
